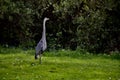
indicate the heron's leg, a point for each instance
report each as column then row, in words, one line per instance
column 40, row 59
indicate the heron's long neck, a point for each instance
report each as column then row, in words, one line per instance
column 44, row 30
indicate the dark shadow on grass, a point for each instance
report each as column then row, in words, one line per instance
column 60, row 53
column 15, row 50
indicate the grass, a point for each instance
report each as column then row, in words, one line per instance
column 17, row 64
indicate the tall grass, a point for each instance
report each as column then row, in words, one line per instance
column 19, row 64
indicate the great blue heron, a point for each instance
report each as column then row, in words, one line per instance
column 42, row 45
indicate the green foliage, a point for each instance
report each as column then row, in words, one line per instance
column 92, row 25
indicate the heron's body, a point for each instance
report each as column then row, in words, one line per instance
column 42, row 45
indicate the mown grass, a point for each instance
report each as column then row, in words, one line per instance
column 17, row 64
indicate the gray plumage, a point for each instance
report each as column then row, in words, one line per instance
column 42, row 45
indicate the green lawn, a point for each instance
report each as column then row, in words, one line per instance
column 58, row 65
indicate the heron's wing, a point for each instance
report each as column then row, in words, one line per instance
column 39, row 46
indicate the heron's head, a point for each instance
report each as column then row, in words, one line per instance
column 45, row 19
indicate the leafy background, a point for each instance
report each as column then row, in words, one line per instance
column 92, row 25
